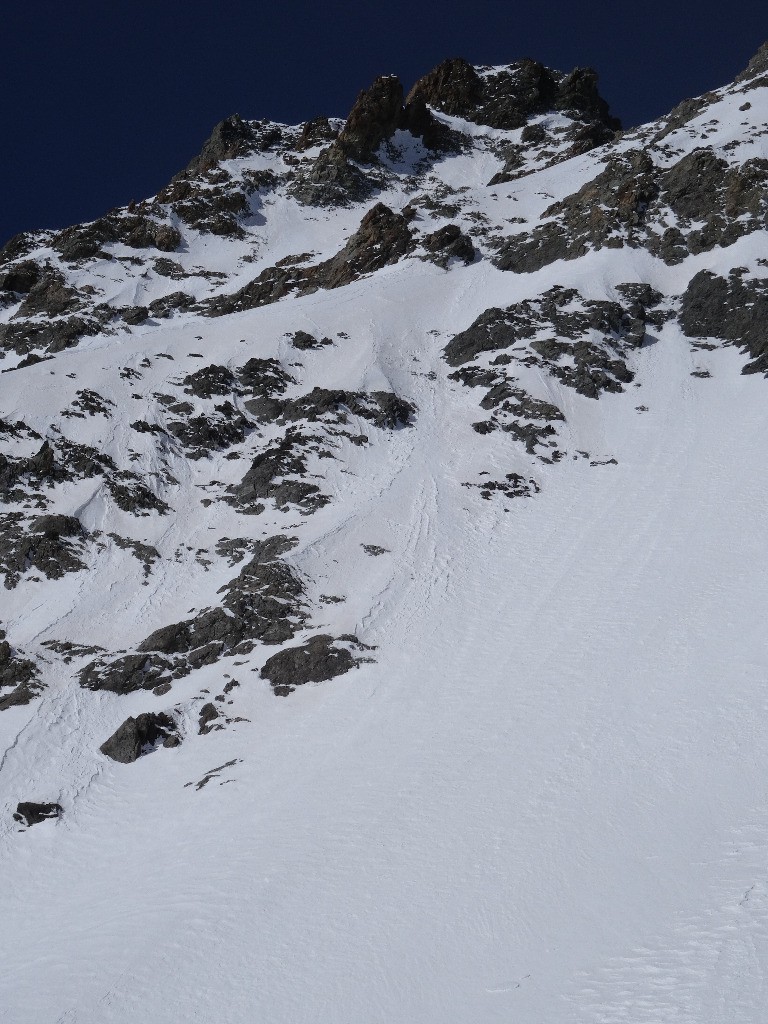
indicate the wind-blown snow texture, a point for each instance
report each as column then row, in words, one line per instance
column 385, row 572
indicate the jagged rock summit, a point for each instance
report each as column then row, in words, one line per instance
column 444, row 423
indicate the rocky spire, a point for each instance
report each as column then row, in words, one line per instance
column 374, row 117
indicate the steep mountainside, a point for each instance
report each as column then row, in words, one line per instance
column 446, row 424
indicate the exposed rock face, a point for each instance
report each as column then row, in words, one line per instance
column 278, row 474
column 51, row 336
column 735, row 310
column 504, row 98
column 51, row 545
column 378, row 112
column 704, row 202
column 20, row 245
column 29, row 813
column 210, row 202
column 18, row 674
column 508, row 97
column 708, row 198
column 264, row 602
column 582, row 344
column 756, row 68
column 62, row 460
column 49, row 295
column 383, row 409
column 453, row 87
column 578, row 93
column 200, row 435
column 21, row 277
column 332, row 181
column 383, row 238
column 316, row 661
column 137, row 736
column 602, row 213
column 139, row 231
column 374, row 117
column 232, row 137
column 316, row 132
column 591, row 334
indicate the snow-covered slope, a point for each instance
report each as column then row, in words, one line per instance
column 384, row 559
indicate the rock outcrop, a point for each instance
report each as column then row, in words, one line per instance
column 29, row 813
column 507, row 97
column 140, row 735
column 316, row 661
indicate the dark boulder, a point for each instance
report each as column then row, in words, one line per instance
column 209, row 381
column 304, row 341
column 166, row 305
column 315, row 662
column 137, row 736
column 264, row 377
column 29, row 813
column 449, row 243
column 133, row 315
column 207, row 719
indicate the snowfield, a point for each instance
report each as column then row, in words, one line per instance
column 542, row 794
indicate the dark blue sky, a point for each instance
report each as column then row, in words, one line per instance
column 104, row 101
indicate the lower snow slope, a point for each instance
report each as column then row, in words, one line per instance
column 544, row 800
